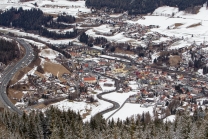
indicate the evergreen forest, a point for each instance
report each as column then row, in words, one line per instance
column 142, row 6
column 34, row 20
column 57, row 124
column 66, row 19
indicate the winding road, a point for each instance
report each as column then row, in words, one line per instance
column 116, row 106
column 28, row 57
column 100, row 96
column 11, row 70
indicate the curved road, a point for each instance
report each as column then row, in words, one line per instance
column 9, row 73
column 100, row 96
column 117, row 109
column 115, row 104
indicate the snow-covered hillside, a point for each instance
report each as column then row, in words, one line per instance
column 191, row 27
column 9, row 1
column 49, row 53
column 48, row 6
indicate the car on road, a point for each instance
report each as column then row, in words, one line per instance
column 9, row 107
column 4, row 85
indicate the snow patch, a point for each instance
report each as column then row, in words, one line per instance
column 170, row 118
column 130, row 109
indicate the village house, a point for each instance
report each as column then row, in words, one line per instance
column 133, row 99
column 108, row 84
column 93, row 52
column 119, row 68
column 90, row 79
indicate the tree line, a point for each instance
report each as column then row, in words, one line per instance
column 52, row 34
column 66, row 18
column 31, row 19
column 55, row 25
column 103, row 42
column 58, row 124
column 66, row 54
column 34, row 20
column 90, row 41
column 142, row 6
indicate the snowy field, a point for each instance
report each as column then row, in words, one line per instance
column 162, row 17
column 119, row 98
column 170, row 118
column 82, row 107
column 119, row 37
column 41, row 38
column 130, row 110
column 60, row 6
column 103, row 105
column 49, row 53
column 103, row 29
column 181, row 25
column 107, row 80
column 38, row 44
column 7, row 4
column 49, row 7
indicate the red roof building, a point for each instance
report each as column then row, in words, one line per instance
column 90, row 79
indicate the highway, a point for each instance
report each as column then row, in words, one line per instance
column 9, row 73
column 28, row 57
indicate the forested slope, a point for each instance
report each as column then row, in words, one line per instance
column 55, row 124
column 8, row 51
column 142, row 6
column 35, row 21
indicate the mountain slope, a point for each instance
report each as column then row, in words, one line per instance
column 142, row 6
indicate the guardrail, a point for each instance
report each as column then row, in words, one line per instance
column 7, row 77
